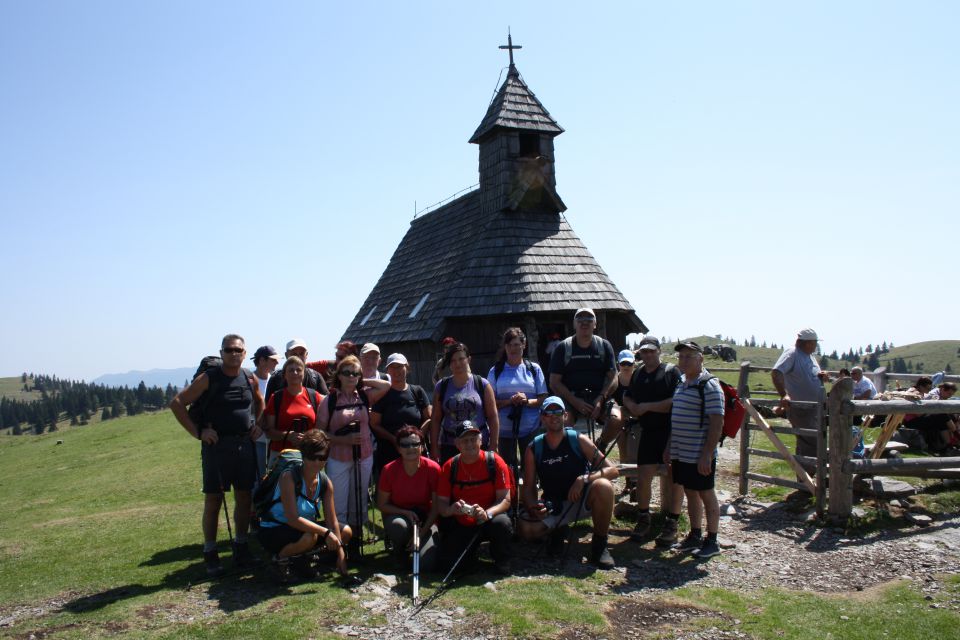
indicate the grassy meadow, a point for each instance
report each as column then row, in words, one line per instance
column 99, row 536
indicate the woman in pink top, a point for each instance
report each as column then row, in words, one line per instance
column 345, row 415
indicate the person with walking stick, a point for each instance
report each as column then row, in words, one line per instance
column 582, row 370
column 473, row 500
column 229, row 404
column 519, row 387
column 576, row 480
column 406, row 497
column 345, row 416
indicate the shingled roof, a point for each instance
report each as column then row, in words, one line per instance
column 516, row 107
column 466, row 264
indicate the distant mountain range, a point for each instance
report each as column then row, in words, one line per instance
column 152, row 378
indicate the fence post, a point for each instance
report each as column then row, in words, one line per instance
column 743, row 390
column 880, row 379
column 841, row 443
column 822, row 459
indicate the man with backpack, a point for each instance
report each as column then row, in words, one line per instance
column 649, row 399
column 575, row 478
column 696, row 425
column 473, row 502
column 312, row 379
column 228, row 403
column 582, row 369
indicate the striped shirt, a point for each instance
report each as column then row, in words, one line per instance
column 688, row 434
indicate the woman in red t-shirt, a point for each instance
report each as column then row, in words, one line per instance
column 406, row 495
column 297, row 410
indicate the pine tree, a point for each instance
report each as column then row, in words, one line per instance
column 106, row 414
column 824, row 363
column 948, row 368
column 834, row 355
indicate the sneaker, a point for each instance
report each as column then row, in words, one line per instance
column 281, row 569
column 709, row 549
column 668, row 536
column 212, row 561
column 642, row 528
column 303, row 568
column 600, row 554
column 241, row 554
column 692, row 542
column 558, row 537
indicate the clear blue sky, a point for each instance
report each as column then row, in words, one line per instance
column 173, row 171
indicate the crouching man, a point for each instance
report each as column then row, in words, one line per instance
column 474, row 491
column 576, row 482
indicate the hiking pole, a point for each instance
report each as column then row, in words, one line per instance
column 357, row 499
column 515, row 415
column 416, row 563
column 446, row 582
column 223, row 495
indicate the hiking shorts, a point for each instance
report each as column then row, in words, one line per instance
column 231, row 462
column 273, row 539
column 686, row 474
column 565, row 512
column 653, row 442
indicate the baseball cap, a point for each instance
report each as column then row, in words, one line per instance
column 807, row 334
column 689, row 344
column 626, row 356
column 585, row 311
column 396, row 358
column 649, row 342
column 367, row 348
column 553, row 400
column 296, row 342
column 266, row 351
column 466, row 427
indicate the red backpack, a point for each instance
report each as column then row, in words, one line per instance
column 733, row 410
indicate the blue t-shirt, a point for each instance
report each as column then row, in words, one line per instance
column 305, row 507
column 516, row 380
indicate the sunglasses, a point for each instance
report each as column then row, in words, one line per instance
column 350, row 374
column 234, row 350
column 552, row 412
column 626, row 364
column 408, row 445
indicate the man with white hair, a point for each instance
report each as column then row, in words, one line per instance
column 797, row 376
column 311, row 379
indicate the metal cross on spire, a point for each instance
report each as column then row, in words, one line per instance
column 510, row 46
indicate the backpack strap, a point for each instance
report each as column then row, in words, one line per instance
column 478, row 385
column 567, row 345
column 314, row 396
column 331, row 407
column 491, row 473
column 498, row 369
column 703, row 402
column 277, row 400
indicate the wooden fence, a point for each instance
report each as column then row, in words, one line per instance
column 842, row 407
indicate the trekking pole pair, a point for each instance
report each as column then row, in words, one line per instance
column 446, row 582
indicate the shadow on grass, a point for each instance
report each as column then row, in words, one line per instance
column 235, row 590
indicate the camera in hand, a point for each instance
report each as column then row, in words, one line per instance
column 349, row 429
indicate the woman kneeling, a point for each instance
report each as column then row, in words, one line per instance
column 291, row 528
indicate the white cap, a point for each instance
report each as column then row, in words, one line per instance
column 397, row 358
column 807, row 334
column 367, row 348
column 296, row 342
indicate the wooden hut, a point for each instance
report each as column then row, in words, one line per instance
column 502, row 255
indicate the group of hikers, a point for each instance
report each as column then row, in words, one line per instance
column 476, row 459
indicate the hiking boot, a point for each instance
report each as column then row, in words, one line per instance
column 599, row 553
column 281, row 569
column 692, row 542
column 557, row 539
column 668, row 535
column 303, row 568
column 241, row 554
column 212, row 561
column 708, row 549
column 642, row 528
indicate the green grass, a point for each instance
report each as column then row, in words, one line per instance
column 13, row 388
column 897, row 611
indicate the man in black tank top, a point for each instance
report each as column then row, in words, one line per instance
column 575, row 483
column 231, row 406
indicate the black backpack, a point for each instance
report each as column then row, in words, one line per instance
column 332, row 404
column 498, row 369
column 197, row 409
